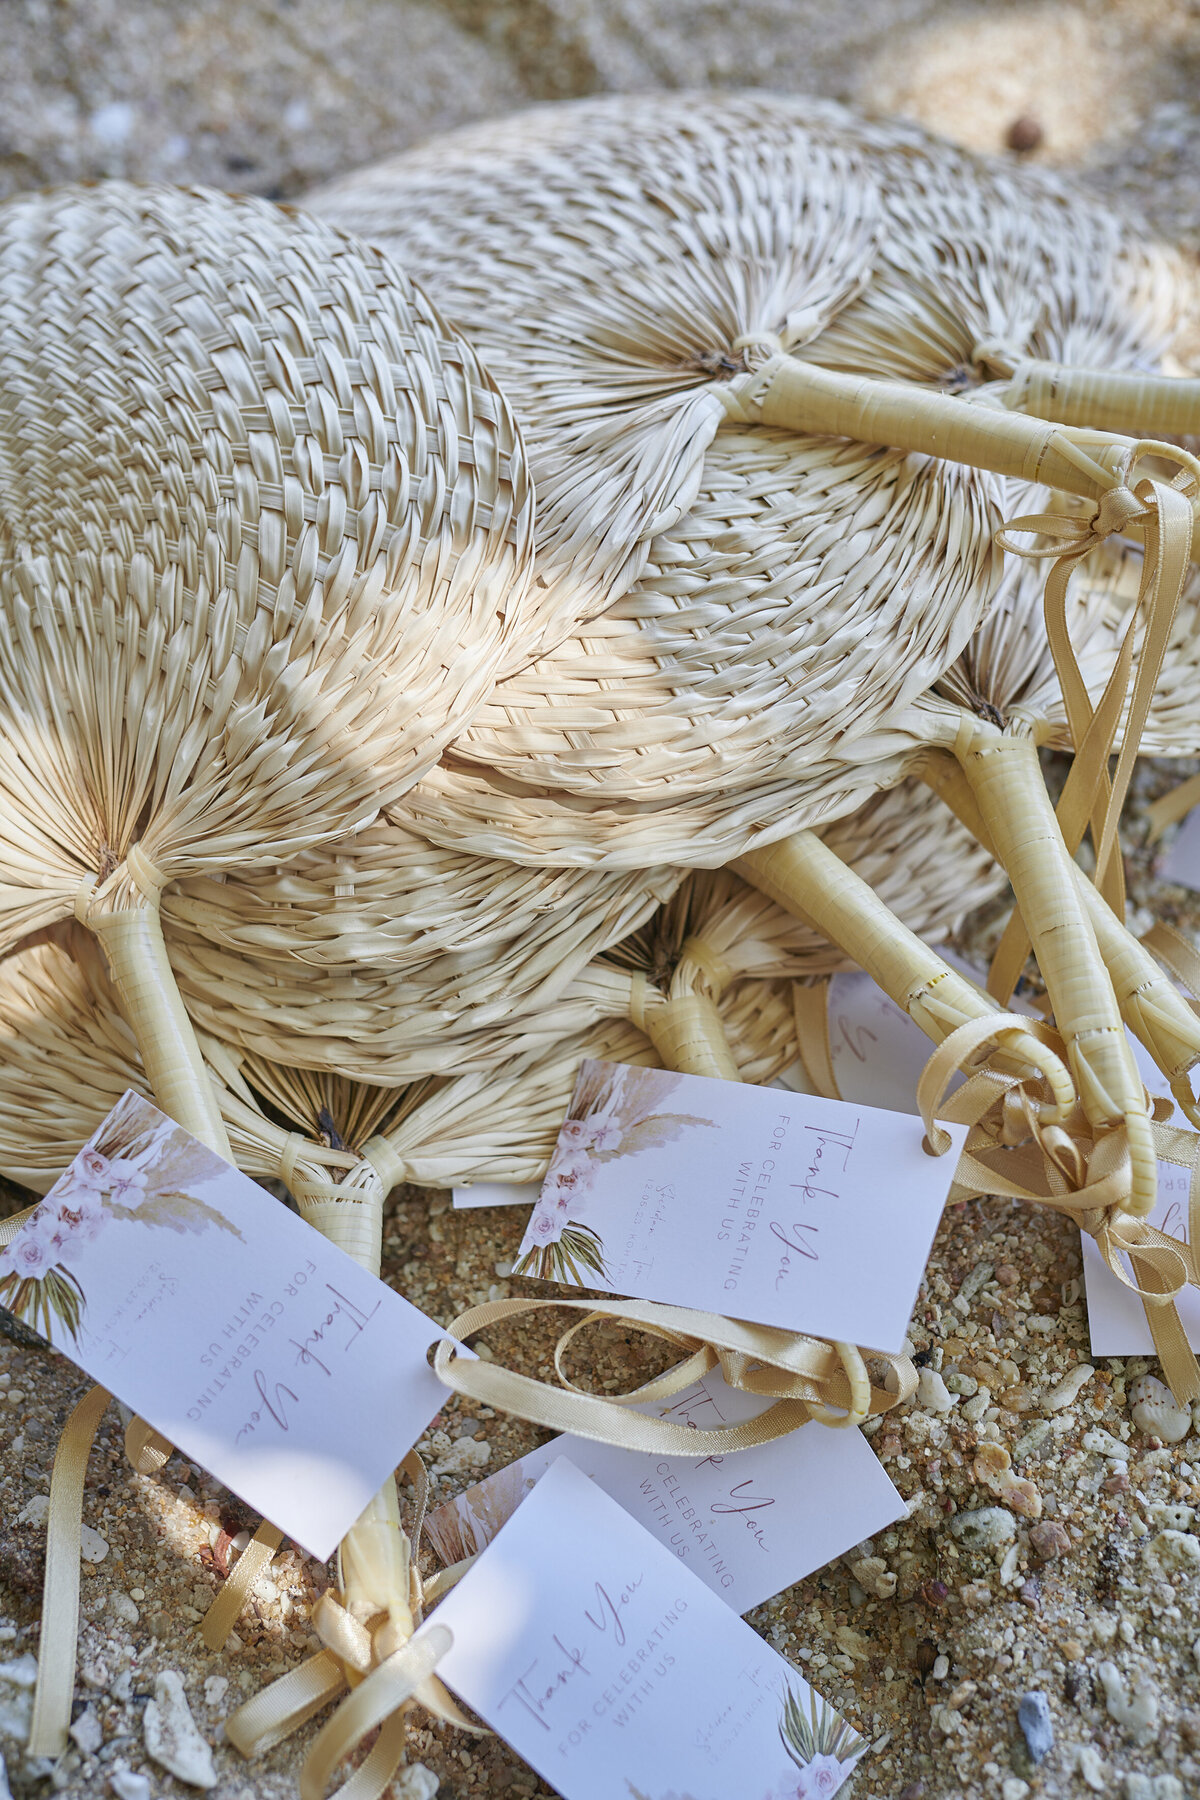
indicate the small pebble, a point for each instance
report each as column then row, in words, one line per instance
column 1103, row 1443
column 1024, row 135
column 1013, row 1788
column 1090, row 1765
column 1173, row 1552
column 215, row 1689
column 941, row 1668
column 1156, row 1413
column 933, row 1394
column 172, row 1739
column 414, row 1782
column 989, row 1526
column 1134, row 1709
column 1068, row 1388
column 128, row 1786
column 92, row 1547
column 1033, row 1716
column 1049, row 1540
column 87, row 1731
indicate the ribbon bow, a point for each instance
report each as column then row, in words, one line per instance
column 1165, row 514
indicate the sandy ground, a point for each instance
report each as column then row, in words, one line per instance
column 1097, row 1609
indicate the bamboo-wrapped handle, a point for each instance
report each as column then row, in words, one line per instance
column 129, row 928
column 805, row 877
column 687, row 1032
column 1151, row 1005
column 1139, row 404
column 1006, row 779
column 799, row 396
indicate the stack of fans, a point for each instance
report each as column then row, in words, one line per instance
column 560, row 596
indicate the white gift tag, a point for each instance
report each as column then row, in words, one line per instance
column 258, row 1348
column 1181, row 863
column 495, row 1193
column 785, row 1209
column 618, row 1675
column 748, row 1524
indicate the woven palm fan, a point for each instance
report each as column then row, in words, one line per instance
column 385, row 896
column 474, row 1009
column 690, row 703
column 265, row 544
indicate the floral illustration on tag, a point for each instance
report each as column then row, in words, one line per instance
column 137, row 1168
column 615, row 1112
column 822, row 1744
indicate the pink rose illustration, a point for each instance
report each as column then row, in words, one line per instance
column 78, row 1206
column 30, row 1253
column 576, row 1134
column 90, row 1168
column 820, row 1778
column 545, row 1227
column 570, row 1177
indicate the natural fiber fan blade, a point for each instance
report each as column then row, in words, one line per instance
column 475, row 1009
column 265, row 546
column 386, row 897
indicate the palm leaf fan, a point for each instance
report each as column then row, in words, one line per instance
column 265, row 530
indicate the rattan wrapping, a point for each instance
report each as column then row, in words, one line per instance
column 266, row 545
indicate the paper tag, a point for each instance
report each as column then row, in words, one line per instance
column 748, row 1524
column 1181, row 863
column 496, row 1193
column 618, row 1675
column 789, row 1210
column 1117, row 1324
column 259, row 1349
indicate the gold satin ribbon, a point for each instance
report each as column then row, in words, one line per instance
column 1090, row 796
column 1170, row 808
column 807, row 1376
column 60, row 1589
column 387, row 1670
column 1049, row 1166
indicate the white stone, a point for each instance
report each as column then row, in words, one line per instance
column 123, row 1608
column 1134, row 1709
column 215, row 1690
column 1156, row 1413
column 464, row 1456
column 92, row 1547
column 34, row 1511
column 128, row 1786
column 932, row 1393
column 1090, row 1766
column 1152, row 1787
column 171, row 1735
column 16, row 1696
column 941, row 1667
column 415, row 1782
column 1173, row 1552
column 1014, row 1789
column 1068, row 1388
column 88, row 1732
column 983, row 1529
column 1102, row 1443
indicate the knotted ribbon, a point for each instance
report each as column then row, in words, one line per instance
column 1011, row 1152
column 1165, row 514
